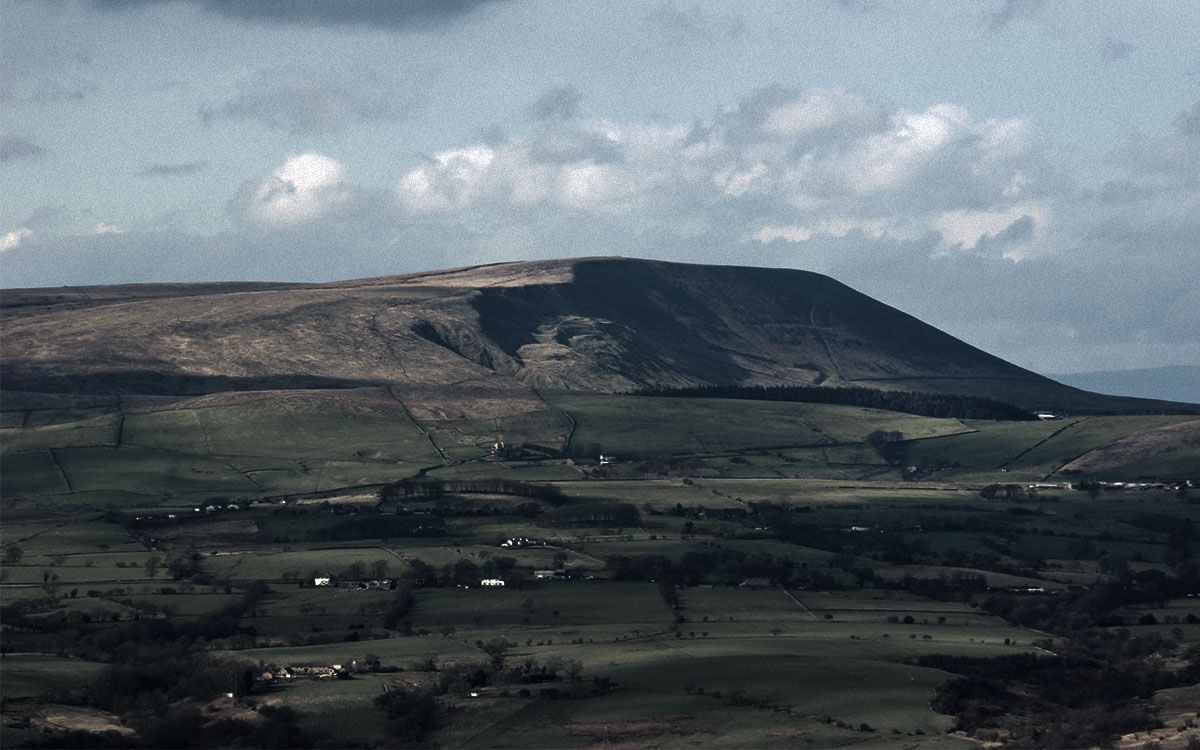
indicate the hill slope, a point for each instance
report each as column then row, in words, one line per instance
column 477, row 341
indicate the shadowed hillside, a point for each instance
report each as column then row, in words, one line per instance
column 477, row 341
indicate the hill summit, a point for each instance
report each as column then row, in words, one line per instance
column 481, row 340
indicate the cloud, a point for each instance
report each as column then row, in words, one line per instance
column 781, row 164
column 1114, row 50
column 308, row 102
column 307, row 187
column 1171, row 153
column 16, row 148
column 23, row 87
column 1010, row 11
column 781, row 114
column 565, row 146
column 560, row 103
column 174, row 170
column 1187, row 123
column 678, row 26
column 396, row 15
column 15, row 238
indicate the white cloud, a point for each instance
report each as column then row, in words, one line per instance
column 779, row 165
column 14, row 238
column 890, row 159
column 820, row 109
column 305, row 188
column 736, row 183
column 968, row 228
column 451, row 180
column 106, row 228
column 835, row 227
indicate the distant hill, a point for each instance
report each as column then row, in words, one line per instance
column 1175, row 383
column 477, row 342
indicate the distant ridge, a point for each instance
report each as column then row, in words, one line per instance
column 1171, row 383
column 479, row 341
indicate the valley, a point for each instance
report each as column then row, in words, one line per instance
column 765, row 543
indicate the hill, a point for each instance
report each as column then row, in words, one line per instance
column 477, row 342
column 1175, row 383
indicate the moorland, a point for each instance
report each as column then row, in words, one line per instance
column 576, row 504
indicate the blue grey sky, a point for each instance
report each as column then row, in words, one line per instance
column 1023, row 174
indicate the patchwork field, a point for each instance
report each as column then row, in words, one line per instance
column 734, row 574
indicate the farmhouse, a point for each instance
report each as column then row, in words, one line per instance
column 522, row 542
column 374, row 584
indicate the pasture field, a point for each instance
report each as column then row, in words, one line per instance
column 1082, row 435
column 649, row 427
column 294, row 426
column 577, row 604
column 279, row 563
column 149, row 472
column 29, row 675
column 1029, row 451
column 98, row 430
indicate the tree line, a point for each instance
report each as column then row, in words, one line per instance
column 943, row 405
column 434, row 489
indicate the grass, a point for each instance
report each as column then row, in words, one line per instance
column 149, row 471
column 290, row 426
column 29, row 675
column 645, row 427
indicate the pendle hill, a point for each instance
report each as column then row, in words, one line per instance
column 480, row 341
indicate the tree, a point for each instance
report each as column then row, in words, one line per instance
column 574, row 669
column 379, row 569
column 13, row 554
column 152, row 563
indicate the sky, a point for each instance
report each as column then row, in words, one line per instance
column 1023, row 174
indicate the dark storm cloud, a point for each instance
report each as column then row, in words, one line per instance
column 559, row 103
column 15, row 147
column 174, row 170
column 385, row 14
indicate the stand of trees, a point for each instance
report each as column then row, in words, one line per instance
column 1098, row 683
column 433, row 489
column 909, row 402
column 620, row 515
